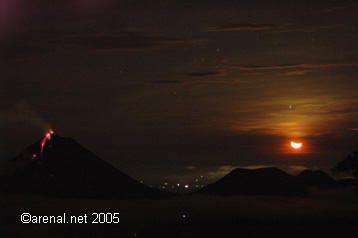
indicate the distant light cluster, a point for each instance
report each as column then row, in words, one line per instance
column 180, row 187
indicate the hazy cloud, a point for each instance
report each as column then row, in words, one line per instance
column 295, row 73
column 251, row 27
column 39, row 43
column 191, row 167
column 294, row 69
column 206, row 73
column 334, row 9
column 294, row 66
column 167, row 81
column 23, row 50
column 23, row 112
column 242, row 27
column 133, row 40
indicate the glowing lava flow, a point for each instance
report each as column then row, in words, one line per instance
column 47, row 138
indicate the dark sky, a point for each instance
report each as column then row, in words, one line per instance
column 171, row 90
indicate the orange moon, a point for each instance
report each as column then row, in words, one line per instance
column 296, row 145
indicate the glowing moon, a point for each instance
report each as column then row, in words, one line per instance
column 296, row 145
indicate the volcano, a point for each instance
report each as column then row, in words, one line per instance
column 65, row 168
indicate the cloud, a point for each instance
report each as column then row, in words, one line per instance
column 294, row 66
column 23, row 112
column 294, row 69
column 295, row 73
column 133, row 40
column 39, row 43
column 167, row 81
column 294, row 169
column 242, row 27
column 206, row 74
column 221, row 171
column 22, row 50
column 191, row 167
column 334, row 9
column 274, row 28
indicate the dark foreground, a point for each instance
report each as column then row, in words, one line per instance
column 324, row 214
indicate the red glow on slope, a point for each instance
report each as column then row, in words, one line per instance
column 47, row 138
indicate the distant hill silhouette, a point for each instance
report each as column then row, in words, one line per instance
column 347, row 182
column 273, row 182
column 315, row 178
column 264, row 181
column 350, row 163
column 68, row 169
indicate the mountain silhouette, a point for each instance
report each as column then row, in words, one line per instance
column 315, row 178
column 320, row 179
column 272, row 181
column 263, row 181
column 350, row 163
column 347, row 182
column 65, row 168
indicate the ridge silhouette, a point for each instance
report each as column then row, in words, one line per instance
column 272, row 181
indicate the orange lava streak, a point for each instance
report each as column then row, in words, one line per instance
column 47, row 138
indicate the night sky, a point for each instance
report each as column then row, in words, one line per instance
column 175, row 90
